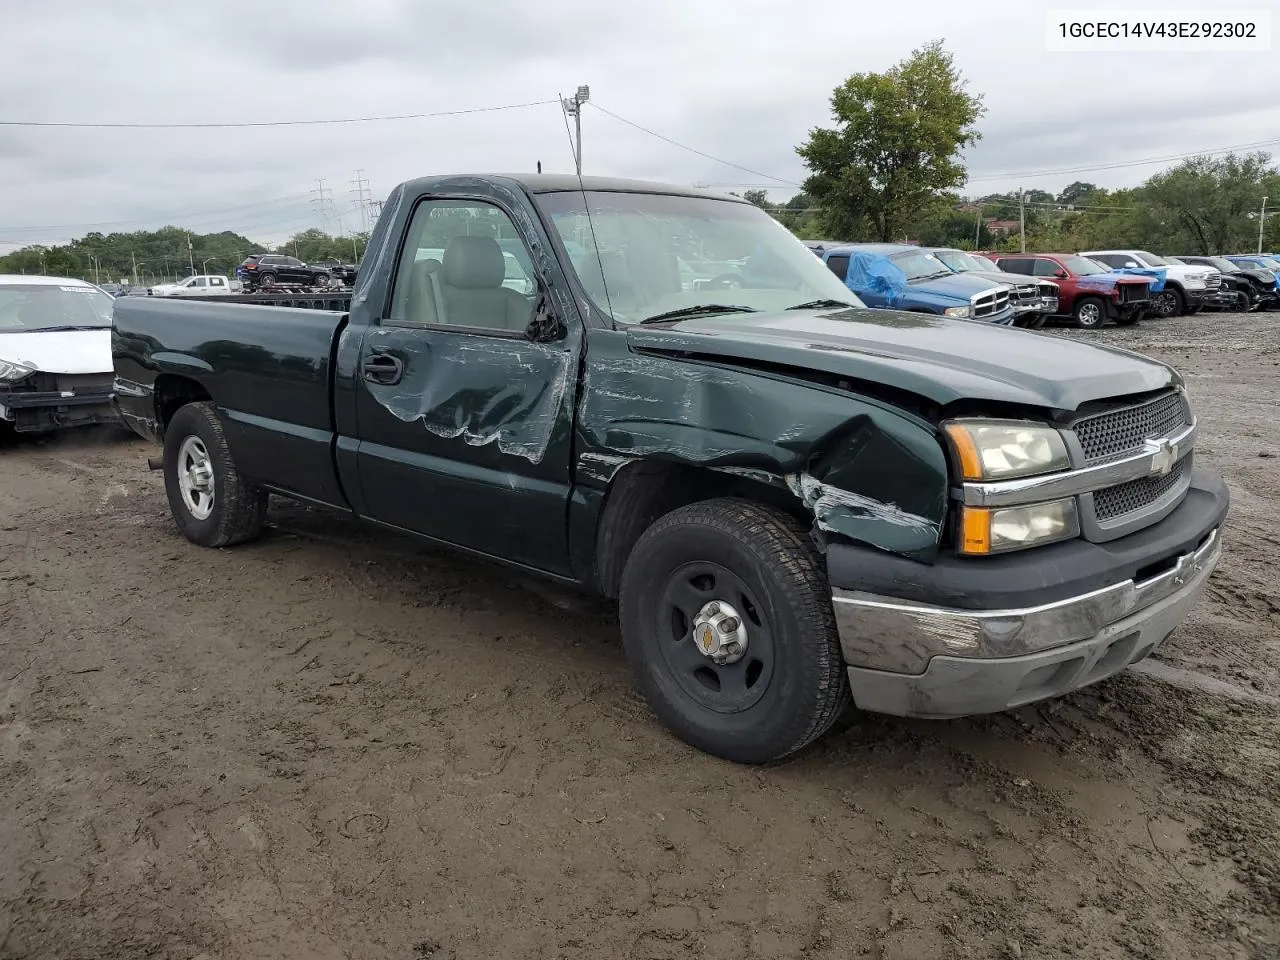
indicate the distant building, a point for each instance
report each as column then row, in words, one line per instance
column 1000, row 227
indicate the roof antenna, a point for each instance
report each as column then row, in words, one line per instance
column 539, row 166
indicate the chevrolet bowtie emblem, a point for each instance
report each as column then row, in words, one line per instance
column 1164, row 456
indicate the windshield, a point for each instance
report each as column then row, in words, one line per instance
column 962, row 262
column 25, row 307
column 659, row 253
column 1224, row 265
column 984, row 262
column 1084, row 267
column 918, row 265
column 1152, row 260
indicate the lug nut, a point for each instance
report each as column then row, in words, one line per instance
column 730, row 625
column 712, row 609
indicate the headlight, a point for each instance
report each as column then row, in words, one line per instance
column 1003, row 450
column 956, row 311
column 11, row 372
column 985, row 531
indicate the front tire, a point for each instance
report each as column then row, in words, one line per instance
column 784, row 682
column 213, row 505
column 1090, row 313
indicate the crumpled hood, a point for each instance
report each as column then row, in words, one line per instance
column 62, row 351
column 938, row 358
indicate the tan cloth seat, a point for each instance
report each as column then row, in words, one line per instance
column 471, row 287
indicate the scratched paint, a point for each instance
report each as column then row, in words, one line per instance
column 855, row 515
column 483, row 391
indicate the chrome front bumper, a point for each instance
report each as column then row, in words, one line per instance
column 912, row 659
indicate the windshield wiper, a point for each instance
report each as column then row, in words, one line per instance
column 702, row 310
column 820, row 304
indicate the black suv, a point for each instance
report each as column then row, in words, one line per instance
column 342, row 272
column 268, row 269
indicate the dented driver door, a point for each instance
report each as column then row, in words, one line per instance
column 464, row 415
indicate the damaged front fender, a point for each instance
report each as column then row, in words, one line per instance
column 864, row 469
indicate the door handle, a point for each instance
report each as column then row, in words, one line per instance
column 383, row 368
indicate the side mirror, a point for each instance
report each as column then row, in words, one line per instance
column 1131, row 264
column 1060, row 274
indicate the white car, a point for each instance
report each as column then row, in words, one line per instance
column 1186, row 289
column 55, row 354
column 207, row 285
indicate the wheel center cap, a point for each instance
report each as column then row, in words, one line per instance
column 720, row 633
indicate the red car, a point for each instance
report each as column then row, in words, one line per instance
column 1088, row 292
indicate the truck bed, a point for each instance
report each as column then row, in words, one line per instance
column 269, row 369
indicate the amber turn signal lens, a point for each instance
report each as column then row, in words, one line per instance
column 975, row 530
column 966, row 451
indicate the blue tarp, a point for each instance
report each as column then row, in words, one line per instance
column 872, row 275
column 1159, row 273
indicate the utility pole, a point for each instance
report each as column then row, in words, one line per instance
column 133, row 257
column 1022, row 220
column 1262, row 220
column 977, row 226
column 191, row 255
column 573, row 108
column 360, row 187
column 318, row 203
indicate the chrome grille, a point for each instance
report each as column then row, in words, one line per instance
column 990, row 303
column 1213, row 282
column 1130, row 497
column 1027, row 294
column 1120, row 431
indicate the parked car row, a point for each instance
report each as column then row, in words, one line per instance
column 1088, row 289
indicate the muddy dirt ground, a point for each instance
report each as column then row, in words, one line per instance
column 336, row 744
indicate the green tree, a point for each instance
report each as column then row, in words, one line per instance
column 759, row 197
column 1077, row 192
column 1203, row 204
column 895, row 146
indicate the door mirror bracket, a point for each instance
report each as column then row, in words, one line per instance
column 545, row 326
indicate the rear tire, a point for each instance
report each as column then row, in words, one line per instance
column 213, row 505
column 267, row 280
column 1090, row 313
column 789, row 684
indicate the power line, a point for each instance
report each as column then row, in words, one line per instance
column 174, row 216
column 1127, row 163
column 685, row 146
column 273, row 123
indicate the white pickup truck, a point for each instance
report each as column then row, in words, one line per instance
column 1186, row 289
column 205, row 285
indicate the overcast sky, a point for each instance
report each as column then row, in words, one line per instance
column 742, row 80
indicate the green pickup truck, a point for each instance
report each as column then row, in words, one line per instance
column 798, row 502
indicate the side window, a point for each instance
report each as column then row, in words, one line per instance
column 217, row 282
column 1023, row 265
column 839, row 265
column 1046, row 268
column 1111, row 259
column 464, row 265
column 197, row 282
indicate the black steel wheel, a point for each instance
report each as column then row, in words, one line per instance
column 728, row 624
